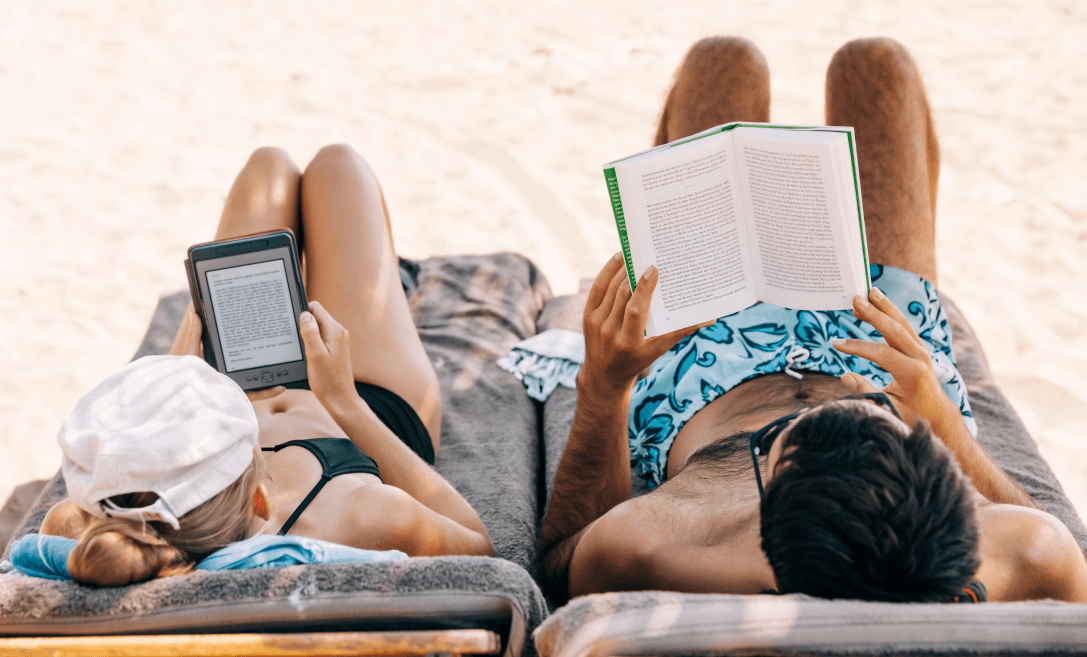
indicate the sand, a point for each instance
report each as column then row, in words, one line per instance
column 123, row 124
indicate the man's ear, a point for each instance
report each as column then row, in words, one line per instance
column 262, row 505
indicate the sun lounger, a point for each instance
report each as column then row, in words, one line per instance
column 469, row 311
column 665, row 623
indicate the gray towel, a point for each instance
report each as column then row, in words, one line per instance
column 665, row 623
column 469, row 310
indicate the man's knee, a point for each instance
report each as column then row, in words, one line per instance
column 710, row 54
column 880, row 61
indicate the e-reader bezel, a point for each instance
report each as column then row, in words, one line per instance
column 252, row 249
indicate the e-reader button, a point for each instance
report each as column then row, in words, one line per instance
column 266, row 376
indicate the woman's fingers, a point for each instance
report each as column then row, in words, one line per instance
column 597, row 293
column 267, row 393
column 187, row 342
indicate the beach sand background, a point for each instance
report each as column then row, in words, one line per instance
column 122, row 125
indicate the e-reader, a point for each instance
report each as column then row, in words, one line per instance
column 248, row 292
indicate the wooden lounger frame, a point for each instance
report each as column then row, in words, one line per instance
column 383, row 644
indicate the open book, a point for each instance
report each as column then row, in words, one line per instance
column 742, row 213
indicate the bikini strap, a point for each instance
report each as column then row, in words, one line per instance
column 305, row 503
column 325, row 478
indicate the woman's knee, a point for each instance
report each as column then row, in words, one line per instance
column 338, row 159
column 272, row 162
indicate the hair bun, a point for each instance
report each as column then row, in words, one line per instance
column 116, row 552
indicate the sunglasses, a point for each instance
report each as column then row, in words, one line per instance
column 764, row 438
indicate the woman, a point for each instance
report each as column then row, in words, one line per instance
column 359, row 339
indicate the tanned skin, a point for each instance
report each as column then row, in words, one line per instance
column 359, row 328
column 699, row 531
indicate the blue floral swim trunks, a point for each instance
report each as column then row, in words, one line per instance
column 765, row 339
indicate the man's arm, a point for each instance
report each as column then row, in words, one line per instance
column 594, row 472
column 1027, row 554
column 916, row 389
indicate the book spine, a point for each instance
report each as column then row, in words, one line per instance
column 860, row 207
column 620, row 222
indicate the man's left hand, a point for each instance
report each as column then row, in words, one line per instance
column 916, row 391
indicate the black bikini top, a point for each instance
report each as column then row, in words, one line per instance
column 337, row 456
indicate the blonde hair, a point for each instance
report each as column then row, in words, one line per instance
column 119, row 551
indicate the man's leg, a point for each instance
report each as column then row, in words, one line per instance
column 722, row 79
column 353, row 272
column 874, row 86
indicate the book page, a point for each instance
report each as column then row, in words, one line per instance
column 796, row 216
column 253, row 315
column 693, row 232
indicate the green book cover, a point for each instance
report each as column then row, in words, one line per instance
column 620, row 221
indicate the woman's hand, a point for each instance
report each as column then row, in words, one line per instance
column 187, row 342
column 328, row 356
column 916, row 391
column 616, row 348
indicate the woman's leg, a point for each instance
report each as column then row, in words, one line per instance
column 874, row 86
column 722, row 79
column 353, row 272
column 263, row 197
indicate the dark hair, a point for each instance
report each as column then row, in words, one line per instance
column 857, row 508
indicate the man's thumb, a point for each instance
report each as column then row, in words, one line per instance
column 857, row 384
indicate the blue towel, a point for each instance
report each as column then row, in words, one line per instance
column 38, row 555
column 269, row 551
column 42, row 556
column 545, row 361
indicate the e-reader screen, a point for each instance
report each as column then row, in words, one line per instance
column 253, row 315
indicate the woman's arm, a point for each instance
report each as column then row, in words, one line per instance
column 918, row 392
column 331, row 379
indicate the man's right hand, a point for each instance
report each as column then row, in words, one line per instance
column 616, row 348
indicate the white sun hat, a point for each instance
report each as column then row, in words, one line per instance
column 169, row 425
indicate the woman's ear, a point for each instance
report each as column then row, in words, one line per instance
column 262, row 506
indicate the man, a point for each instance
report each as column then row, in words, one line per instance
column 861, row 494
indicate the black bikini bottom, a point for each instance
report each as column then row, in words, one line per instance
column 394, row 413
